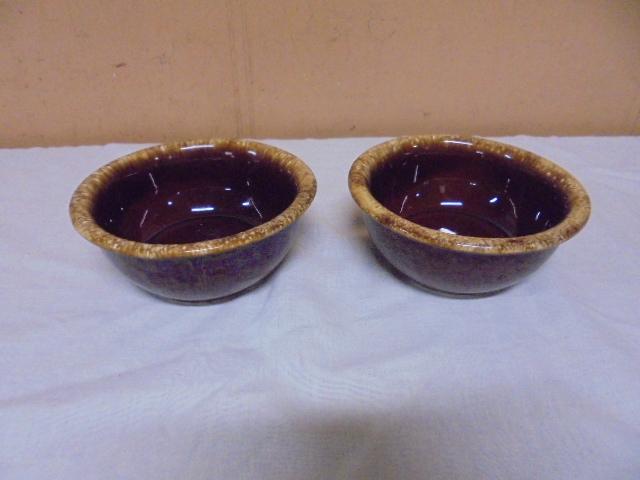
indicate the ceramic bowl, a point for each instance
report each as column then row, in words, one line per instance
column 465, row 215
column 195, row 221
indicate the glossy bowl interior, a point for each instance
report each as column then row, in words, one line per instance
column 202, row 194
column 467, row 192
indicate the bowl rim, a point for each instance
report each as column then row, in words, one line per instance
column 84, row 197
column 575, row 195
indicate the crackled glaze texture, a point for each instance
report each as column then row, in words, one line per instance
column 195, row 221
column 465, row 215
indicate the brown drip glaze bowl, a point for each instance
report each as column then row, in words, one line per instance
column 465, row 215
column 195, row 221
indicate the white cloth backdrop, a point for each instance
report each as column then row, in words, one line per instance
column 334, row 368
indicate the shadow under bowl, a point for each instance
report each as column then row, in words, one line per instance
column 195, row 221
column 465, row 215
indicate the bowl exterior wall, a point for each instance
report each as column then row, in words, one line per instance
column 450, row 271
column 209, row 277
